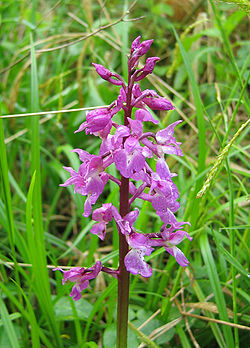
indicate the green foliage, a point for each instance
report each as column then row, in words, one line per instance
column 41, row 224
column 243, row 4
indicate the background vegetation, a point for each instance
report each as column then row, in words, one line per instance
column 46, row 52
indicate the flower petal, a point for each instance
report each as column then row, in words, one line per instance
column 99, row 230
column 144, row 115
column 166, row 134
column 179, row 256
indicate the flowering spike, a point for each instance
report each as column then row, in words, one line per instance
column 128, row 147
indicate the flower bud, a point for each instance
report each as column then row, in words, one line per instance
column 107, row 75
column 148, row 68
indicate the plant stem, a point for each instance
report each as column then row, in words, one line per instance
column 123, row 276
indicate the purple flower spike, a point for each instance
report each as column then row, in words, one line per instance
column 128, row 148
column 81, row 277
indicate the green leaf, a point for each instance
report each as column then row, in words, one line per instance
column 233, row 20
column 12, row 316
column 38, row 254
column 63, row 309
column 162, row 8
column 234, row 262
column 6, row 187
column 201, row 127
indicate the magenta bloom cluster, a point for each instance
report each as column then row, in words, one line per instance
column 128, row 147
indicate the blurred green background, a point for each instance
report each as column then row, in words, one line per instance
column 46, row 51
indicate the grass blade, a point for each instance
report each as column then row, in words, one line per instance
column 26, row 314
column 215, row 283
column 201, row 127
column 6, row 187
column 8, row 326
column 228, row 49
column 34, row 202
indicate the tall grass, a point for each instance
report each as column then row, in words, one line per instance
column 41, row 225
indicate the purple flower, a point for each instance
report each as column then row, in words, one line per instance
column 158, row 103
column 90, row 180
column 134, row 260
column 99, row 122
column 163, row 193
column 128, row 148
column 135, row 45
column 124, row 224
column 103, row 215
column 130, row 159
column 166, row 141
column 96, row 121
column 169, row 240
column 80, row 276
column 169, row 219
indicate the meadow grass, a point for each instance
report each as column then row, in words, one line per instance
column 46, row 53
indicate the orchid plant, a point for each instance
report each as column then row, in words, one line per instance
column 128, row 148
